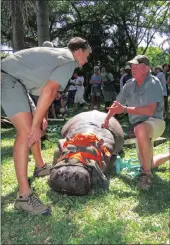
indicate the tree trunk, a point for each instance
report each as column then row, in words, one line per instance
column 17, row 25
column 42, row 21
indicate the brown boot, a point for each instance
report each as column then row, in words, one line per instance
column 145, row 181
column 32, row 204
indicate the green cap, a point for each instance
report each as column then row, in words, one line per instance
column 140, row 59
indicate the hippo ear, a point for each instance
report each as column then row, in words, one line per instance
column 61, row 143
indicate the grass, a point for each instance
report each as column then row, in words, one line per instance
column 120, row 215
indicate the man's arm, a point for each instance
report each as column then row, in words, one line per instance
column 117, row 108
column 47, row 96
column 147, row 110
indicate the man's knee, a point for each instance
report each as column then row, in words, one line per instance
column 143, row 130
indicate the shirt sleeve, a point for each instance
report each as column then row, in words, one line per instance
column 121, row 97
column 154, row 92
column 62, row 74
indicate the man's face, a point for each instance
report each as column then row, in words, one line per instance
column 140, row 71
column 96, row 70
column 103, row 70
column 82, row 55
column 166, row 68
column 75, row 75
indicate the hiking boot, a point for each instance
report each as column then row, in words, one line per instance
column 145, row 181
column 41, row 172
column 32, row 204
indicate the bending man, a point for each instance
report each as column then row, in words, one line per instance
column 48, row 70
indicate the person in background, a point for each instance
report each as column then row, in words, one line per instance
column 143, row 100
column 79, row 96
column 122, row 73
column 166, row 69
column 95, row 82
column 108, row 88
column 58, row 107
column 161, row 76
column 48, row 70
column 71, row 90
column 128, row 74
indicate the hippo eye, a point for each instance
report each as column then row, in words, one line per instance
column 59, row 171
column 76, row 177
column 73, row 180
column 65, row 177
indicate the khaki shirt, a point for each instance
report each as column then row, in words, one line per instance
column 35, row 66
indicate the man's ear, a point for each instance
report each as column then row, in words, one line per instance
column 146, row 68
column 78, row 52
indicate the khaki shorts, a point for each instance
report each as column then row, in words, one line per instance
column 158, row 126
column 14, row 97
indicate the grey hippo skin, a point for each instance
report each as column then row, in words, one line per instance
column 69, row 175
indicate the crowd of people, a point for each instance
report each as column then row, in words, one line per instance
column 102, row 88
column 45, row 72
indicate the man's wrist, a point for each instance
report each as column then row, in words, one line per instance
column 125, row 110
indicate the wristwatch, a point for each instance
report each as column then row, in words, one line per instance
column 125, row 110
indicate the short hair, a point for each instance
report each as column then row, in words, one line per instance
column 77, row 42
column 164, row 65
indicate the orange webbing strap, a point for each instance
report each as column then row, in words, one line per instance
column 82, row 140
column 81, row 156
column 86, row 140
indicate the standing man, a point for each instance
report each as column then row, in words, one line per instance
column 143, row 96
column 48, row 70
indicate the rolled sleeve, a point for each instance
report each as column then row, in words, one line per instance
column 62, row 74
column 154, row 92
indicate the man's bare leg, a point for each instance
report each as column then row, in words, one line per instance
column 160, row 159
column 22, row 122
column 143, row 133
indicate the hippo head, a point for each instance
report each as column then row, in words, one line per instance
column 72, row 180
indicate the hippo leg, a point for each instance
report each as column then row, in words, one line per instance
column 57, row 154
column 58, row 151
column 110, row 167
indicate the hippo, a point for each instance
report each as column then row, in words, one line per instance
column 86, row 153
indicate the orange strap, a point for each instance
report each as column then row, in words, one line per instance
column 86, row 140
column 81, row 156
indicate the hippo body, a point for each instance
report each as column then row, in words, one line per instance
column 85, row 123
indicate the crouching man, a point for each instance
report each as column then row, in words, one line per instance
column 143, row 96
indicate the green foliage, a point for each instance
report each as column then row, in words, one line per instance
column 113, row 28
column 156, row 55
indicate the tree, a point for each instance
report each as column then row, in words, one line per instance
column 42, row 21
column 156, row 55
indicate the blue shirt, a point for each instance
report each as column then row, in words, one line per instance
column 96, row 79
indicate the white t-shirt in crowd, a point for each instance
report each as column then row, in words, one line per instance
column 72, row 87
column 80, row 80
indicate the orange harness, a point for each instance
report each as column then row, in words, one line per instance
column 86, row 140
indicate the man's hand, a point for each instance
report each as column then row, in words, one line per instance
column 44, row 124
column 105, row 124
column 35, row 135
column 116, row 108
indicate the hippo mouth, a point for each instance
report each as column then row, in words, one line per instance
column 71, row 180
